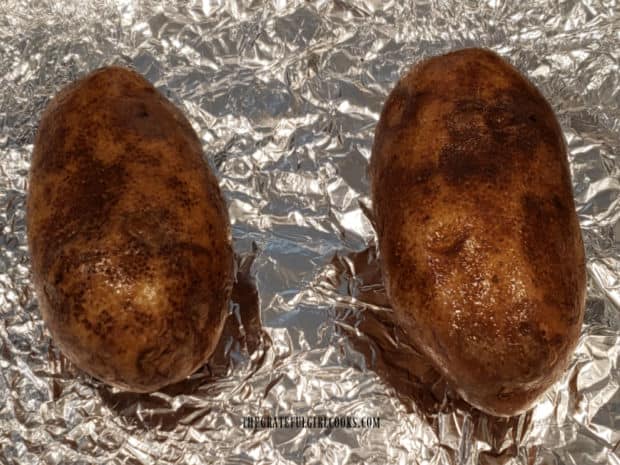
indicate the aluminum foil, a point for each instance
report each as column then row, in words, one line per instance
column 285, row 96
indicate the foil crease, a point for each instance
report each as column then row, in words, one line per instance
column 285, row 97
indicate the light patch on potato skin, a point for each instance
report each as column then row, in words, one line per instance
column 128, row 232
column 481, row 247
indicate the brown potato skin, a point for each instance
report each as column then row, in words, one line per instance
column 128, row 232
column 482, row 253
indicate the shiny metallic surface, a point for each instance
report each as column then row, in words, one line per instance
column 285, row 97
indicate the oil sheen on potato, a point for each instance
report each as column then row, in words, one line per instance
column 128, row 233
column 481, row 247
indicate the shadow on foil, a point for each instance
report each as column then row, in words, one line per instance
column 363, row 313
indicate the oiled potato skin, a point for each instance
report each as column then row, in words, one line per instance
column 128, row 233
column 482, row 252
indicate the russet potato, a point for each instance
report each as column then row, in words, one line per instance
column 481, row 248
column 128, row 232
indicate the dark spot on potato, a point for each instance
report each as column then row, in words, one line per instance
column 141, row 118
column 142, row 112
column 457, row 163
column 150, row 228
column 55, row 157
column 540, row 223
column 548, row 248
column 414, row 184
column 472, row 74
column 83, row 202
column 560, row 206
column 133, row 153
column 412, row 106
column 104, row 325
column 180, row 191
column 525, row 328
column 490, row 139
column 520, row 117
column 448, row 240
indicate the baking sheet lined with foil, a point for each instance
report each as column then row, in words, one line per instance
column 285, row 97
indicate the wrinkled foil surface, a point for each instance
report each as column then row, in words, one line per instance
column 285, row 96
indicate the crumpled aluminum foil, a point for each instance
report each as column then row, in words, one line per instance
column 285, row 96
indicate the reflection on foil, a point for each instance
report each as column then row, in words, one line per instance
column 285, row 97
